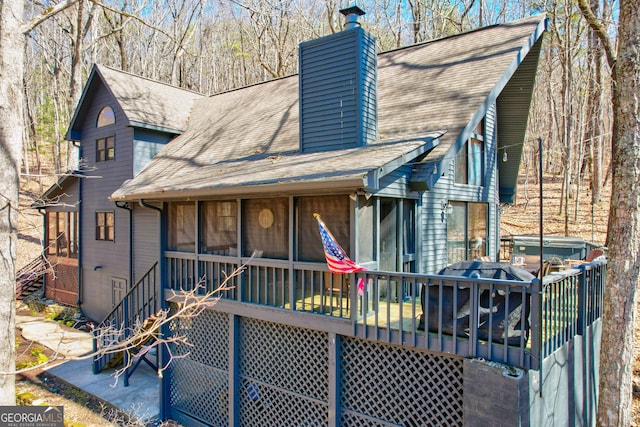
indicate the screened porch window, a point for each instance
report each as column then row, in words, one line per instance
column 265, row 228
column 219, row 227
column 388, row 235
column 466, row 231
column 334, row 211
column 62, row 234
column 366, row 230
column 182, row 227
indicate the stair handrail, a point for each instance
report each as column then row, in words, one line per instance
column 32, row 271
column 135, row 304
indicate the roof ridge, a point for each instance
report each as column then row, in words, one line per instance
column 128, row 73
column 411, row 46
column 464, row 33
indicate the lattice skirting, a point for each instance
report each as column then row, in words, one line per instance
column 284, row 377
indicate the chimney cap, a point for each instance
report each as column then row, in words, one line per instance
column 352, row 9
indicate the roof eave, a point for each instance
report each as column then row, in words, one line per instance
column 71, row 134
column 282, row 188
column 141, row 125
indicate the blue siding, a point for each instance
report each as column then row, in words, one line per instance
column 146, row 145
column 396, row 184
column 338, row 100
column 146, row 240
column 433, row 223
column 66, row 197
column 103, row 178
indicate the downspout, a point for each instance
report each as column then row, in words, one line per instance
column 162, row 353
column 79, row 233
column 125, row 205
column 44, row 249
column 127, row 320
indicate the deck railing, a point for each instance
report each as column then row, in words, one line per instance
column 512, row 322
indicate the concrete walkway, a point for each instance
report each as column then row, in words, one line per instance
column 140, row 399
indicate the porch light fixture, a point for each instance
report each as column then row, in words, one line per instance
column 505, row 157
column 446, row 207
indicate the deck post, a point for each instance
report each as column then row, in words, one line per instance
column 334, row 380
column 536, row 327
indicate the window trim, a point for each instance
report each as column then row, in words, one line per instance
column 467, row 237
column 107, row 114
column 105, row 226
column 467, row 154
column 106, row 153
column 69, row 235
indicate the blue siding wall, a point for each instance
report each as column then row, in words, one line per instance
column 432, row 227
column 146, row 145
column 338, row 91
column 65, row 198
column 396, row 184
column 103, row 178
column 146, row 240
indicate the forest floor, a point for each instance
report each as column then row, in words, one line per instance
column 520, row 218
column 591, row 225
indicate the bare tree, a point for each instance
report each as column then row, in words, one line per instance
column 12, row 47
column 623, row 273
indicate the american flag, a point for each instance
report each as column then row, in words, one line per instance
column 337, row 259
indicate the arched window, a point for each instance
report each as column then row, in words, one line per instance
column 106, row 117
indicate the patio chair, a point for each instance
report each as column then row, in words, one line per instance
column 593, row 254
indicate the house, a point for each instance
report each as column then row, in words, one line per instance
column 121, row 122
column 407, row 156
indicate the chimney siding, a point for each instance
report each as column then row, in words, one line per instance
column 338, row 93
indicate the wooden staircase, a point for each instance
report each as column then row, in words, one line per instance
column 135, row 351
column 29, row 278
column 140, row 304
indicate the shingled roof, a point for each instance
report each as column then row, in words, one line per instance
column 247, row 140
column 146, row 103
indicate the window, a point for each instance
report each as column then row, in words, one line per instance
column 466, row 231
column 219, row 228
column 265, row 228
column 182, row 227
column 62, row 234
column 105, row 149
column 106, row 117
column 334, row 211
column 105, row 226
column 470, row 159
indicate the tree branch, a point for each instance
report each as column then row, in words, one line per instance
column 46, row 14
column 599, row 30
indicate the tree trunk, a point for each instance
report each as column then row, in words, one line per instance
column 619, row 314
column 11, row 71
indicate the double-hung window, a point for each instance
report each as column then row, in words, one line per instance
column 105, row 149
column 105, row 222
